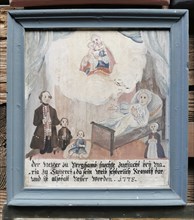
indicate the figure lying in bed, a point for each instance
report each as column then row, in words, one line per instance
column 137, row 115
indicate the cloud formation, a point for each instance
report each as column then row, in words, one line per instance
column 64, row 57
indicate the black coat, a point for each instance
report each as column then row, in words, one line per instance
column 63, row 143
column 38, row 137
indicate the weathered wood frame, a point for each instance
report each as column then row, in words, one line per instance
column 37, row 3
column 176, row 22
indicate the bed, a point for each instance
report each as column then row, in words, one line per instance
column 105, row 137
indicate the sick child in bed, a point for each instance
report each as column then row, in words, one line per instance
column 137, row 116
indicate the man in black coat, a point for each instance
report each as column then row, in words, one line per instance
column 45, row 119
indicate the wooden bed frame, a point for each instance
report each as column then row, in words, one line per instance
column 105, row 138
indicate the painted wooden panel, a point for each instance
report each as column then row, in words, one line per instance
column 82, row 86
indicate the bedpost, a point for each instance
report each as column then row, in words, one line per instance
column 92, row 123
column 112, row 143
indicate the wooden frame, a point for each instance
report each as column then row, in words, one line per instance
column 30, row 3
column 175, row 22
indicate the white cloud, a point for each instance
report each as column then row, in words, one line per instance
column 63, row 62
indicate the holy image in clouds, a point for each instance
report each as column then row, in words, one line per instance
column 64, row 57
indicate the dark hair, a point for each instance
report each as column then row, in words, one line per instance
column 62, row 119
column 40, row 96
